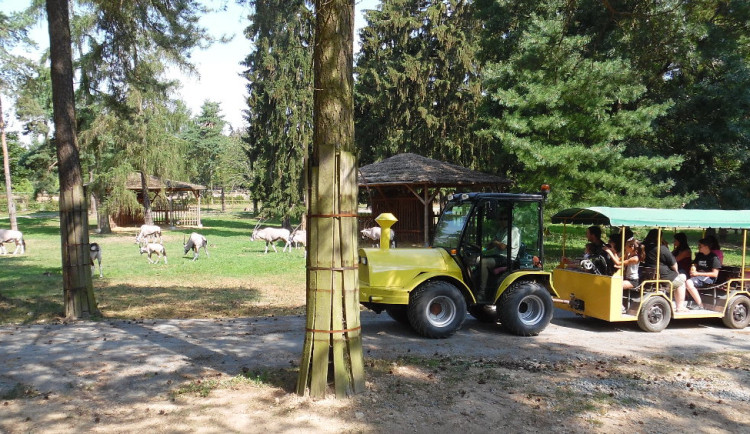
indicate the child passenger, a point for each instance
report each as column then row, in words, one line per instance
column 629, row 264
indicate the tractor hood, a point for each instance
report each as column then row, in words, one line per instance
column 404, row 268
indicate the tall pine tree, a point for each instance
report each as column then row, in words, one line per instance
column 206, row 142
column 560, row 111
column 280, row 95
column 417, row 84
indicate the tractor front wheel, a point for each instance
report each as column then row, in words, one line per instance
column 437, row 309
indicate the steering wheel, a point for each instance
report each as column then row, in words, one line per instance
column 471, row 253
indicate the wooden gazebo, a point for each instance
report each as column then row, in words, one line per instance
column 169, row 204
column 407, row 184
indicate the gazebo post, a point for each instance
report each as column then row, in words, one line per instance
column 426, row 203
column 198, row 194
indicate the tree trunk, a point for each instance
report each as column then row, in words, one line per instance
column 333, row 333
column 92, row 197
column 6, row 168
column 78, row 291
column 147, row 217
column 223, row 203
column 103, row 221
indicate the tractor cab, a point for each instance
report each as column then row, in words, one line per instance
column 491, row 235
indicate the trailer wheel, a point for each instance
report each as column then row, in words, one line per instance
column 655, row 315
column 484, row 312
column 737, row 315
column 399, row 313
column 525, row 309
column 437, row 309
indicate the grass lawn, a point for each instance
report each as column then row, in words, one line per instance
column 237, row 280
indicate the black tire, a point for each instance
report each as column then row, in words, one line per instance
column 484, row 312
column 399, row 313
column 437, row 309
column 525, row 309
column 655, row 314
column 737, row 315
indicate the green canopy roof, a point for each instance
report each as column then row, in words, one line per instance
column 654, row 217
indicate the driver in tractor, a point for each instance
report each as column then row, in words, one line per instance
column 495, row 258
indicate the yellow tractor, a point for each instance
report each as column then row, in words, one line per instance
column 485, row 258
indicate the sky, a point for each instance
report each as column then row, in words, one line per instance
column 218, row 66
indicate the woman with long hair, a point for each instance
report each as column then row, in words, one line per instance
column 682, row 253
column 629, row 264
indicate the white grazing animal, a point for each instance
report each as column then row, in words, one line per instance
column 270, row 236
column 373, row 233
column 147, row 233
column 298, row 237
column 96, row 255
column 154, row 248
column 8, row 235
column 195, row 242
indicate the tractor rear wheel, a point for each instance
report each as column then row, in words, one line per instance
column 525, row 309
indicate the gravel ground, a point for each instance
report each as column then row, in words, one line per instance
column 124, row 366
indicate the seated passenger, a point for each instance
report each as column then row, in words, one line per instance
column 575, row 263
column 613, row 250
column 630, row 264
column 496, row 255
column 594, row 236
column 704, row 271
column 682, row 253
column 713, row 244
column 667, row 266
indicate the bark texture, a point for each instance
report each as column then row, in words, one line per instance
column 333, row 343
column 78, row 291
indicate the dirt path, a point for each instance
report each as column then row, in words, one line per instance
column 118, row 375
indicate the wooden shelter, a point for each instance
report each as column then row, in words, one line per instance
column 406, row 185
column 169, row 202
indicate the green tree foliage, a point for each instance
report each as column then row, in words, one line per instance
column 232, row 171
column 40, row 162
column 417, row 82
column 124, row 51
column 206, row 142
column 559, row 110
column 12, row 34
column 280, row 95
column 126, row 45
column 34, row 101
column 707, row 74
column 20, row 173
column 146, row 141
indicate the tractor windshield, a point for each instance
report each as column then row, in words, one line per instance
column 451, row 224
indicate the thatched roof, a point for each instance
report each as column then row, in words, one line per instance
column 418, row 170
column 156, row 184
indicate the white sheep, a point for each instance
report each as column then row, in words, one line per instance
column 270, row 236
column 154, row 248
column 195, row 242
column 298, row 237
column 8, row 235
column 95, row 252
column 373, row 234
column 147, row 233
